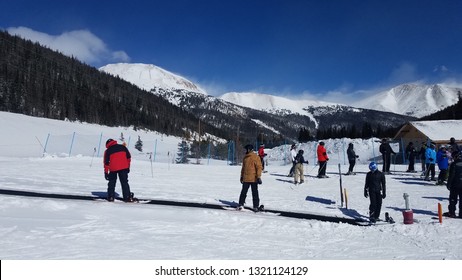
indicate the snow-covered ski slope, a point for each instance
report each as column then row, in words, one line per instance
column 41, row 228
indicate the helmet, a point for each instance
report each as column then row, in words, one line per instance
column 372, row 166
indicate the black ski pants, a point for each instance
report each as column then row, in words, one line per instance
column 322, row 168
column 376, row 204
column 454, row 195
column 411, row 164
column 352, row 165
column 245, row 189
column 386, row 162
column 123, row 178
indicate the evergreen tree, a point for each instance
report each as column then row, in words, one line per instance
column 139, row 144
column 183, row 152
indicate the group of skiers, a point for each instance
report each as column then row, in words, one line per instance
column 117, row 160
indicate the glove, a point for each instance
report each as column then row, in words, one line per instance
column 259, row 181
column 242, row 180
column 384, row 195
column 327, row 159
column 366, row 195
column 357, row 156
column 106, row 176
column 431, row 159
column 128, row 170
column 448, row 187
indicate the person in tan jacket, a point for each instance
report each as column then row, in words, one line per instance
column 250, row 177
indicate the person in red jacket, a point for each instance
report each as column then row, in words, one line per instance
column 117, row 162
column 322, row 160
column 262, row 155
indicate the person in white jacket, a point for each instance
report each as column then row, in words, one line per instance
column 293, row 154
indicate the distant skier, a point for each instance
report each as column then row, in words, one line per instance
column 262, row 155
column 322, row 160
column 443, row 163
column 430, row 160
column 375, row 189
column 293, row 154
column 351, row 159
column 250, row 177
column 299, row 161
column 455, row 185
column 410, row 155
column 117, row 160
column 386, row 151
column 454, row 146
column 422, row 151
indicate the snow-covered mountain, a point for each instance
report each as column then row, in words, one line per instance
column 272, row 116
column 412, row 99
column 148, row 77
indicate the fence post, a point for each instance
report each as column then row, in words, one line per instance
column 208, row 158
column 155, row 150
column 99, row 145
column 72, row 143
column 46, row 143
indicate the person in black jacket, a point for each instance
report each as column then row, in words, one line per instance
column 386, row 151
column 375, row 189
column 410, row 155
column 351, row 159
column 454, row 185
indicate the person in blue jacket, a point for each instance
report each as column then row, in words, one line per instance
column 430, row 160
column 443, row 163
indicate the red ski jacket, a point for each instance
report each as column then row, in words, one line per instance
column 116, row 157
column 322, row 154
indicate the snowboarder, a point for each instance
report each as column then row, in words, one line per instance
column 351, row 159
column 299, row 161
column 117, row 160
column 386, row 151
column 430, row 160
column 442, row 161
column 410, row 155
column 455, row 185
column 250, row 177
column 293, row 154
column 375, row 189
column 322, row 160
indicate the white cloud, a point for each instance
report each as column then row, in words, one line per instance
column 82, row 44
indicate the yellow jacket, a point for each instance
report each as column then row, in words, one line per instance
column 251, row 168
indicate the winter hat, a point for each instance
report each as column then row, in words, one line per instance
column 301, row 152
column 321, row 143
column 109, row 140
column 248, row 147
column 372, row 166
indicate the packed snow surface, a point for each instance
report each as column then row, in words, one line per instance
column 41, row 228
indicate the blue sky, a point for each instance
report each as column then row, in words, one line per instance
column 327, row 48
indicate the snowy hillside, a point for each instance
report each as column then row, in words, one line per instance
column 412, row 99
column 148, row 76
column 271, row 103
column 46, row 228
